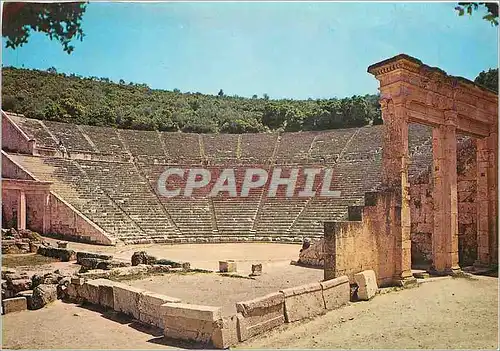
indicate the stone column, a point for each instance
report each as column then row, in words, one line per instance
column 486, row 200
column 445, row 235
column 329, row 251
column 493, row 195
column 21, row 210
column 395, row 179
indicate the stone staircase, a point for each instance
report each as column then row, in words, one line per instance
column 83, row 194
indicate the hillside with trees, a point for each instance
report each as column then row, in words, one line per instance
column 49, row 95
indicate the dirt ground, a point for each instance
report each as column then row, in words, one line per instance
column 67, row 326
column 449, row 313
column 216, row 290
column 205, row 256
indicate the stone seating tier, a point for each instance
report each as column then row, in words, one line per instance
column 122, row 198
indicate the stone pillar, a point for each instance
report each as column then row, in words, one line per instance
column 21, row 211
column 487, row 193
column 329, row 251
column 445, row 235
column 395, row 179
column 493, row 195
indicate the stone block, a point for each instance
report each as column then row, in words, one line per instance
column 227, row 266
column 336, row 292
column 43, row 294
column 77, row 280
column 62, row 244
column 89, row 291
column 14, row 304
column 84, row 254
column 197, row 312
column 259, row 315
column 227, row 335
column 90, row 262
column 367, row 284
column 65, row 255
column 303, row 301
column 103, row 288
column 18, row 285
column 189, row 329
column 28, row 294
column 150, row 307
column 256, row 269
column 126, row 299
column 196, row 323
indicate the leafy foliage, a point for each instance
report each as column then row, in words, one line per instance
column 60, row 21
column 488, row 79
column 469, row 7
column 98, row 101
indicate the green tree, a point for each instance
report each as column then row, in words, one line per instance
column 488, row 79
column 60, row 21
column 469, row 7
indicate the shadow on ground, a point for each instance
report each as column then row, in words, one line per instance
column 157, row 333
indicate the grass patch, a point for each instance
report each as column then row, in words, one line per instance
column 13, row 261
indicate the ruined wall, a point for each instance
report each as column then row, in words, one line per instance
column 11, row 170
column 467, row 216
column 422, row 223
column 13, row 139
column 355, row 246
column 67, row 221
column 422, row 216
column 9, row 208
column 35, row 209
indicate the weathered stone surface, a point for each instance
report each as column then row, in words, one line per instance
column 142, row 257
column 77, row 280
column 62, row 244
column 303, row 301
column 65, row 255
column 28, row 294
column 256, row 269
column 42, row 295
column 51, row 278
column 312, row 255
column 197, row 312
column 85, row 254
column 18, row 285
column 174, row 264
column 14, row 304
column 126, row 299
column 192, row 322
column 89, row 291
column 110, row 264
column 89, row 262
column 259, row 315
column 367, row 284
column 128, row 271
column 227, row 266
column 150, row 310
column 227, row 335
column 182, row 328
column 336, row 292
column 62, row 287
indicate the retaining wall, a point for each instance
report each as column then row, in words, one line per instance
column 205, row 324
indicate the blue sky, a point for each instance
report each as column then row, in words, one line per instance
column 287, row 50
